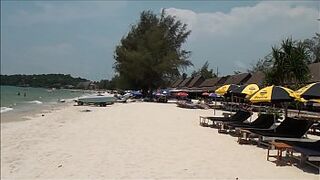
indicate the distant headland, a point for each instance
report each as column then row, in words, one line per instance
column 44, row 81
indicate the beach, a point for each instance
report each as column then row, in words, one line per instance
column 131, row 141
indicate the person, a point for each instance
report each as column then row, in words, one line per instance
column 18, row 93
column 24, row 94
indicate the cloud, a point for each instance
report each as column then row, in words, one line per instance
column 62, row 12
column 245, row 34
column 265, row 16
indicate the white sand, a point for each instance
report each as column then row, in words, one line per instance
column 131, row 141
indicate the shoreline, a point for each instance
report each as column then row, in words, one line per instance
column 131, row 141
column 12, row 116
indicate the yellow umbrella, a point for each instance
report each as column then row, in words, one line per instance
column 300, row 99
column 315, row 100
column 273, row 94
column 250, row 89
column 298, row 93
column 226, row 88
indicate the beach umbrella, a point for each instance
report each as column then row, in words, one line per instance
column 223, row 90
column 165, row 92
column 310, row 91
column 136, row 93
column 213, row 95
column 205, row 94
column 159, row 94
column 310, row 100
column 245, row 90
column 273, row 94
column 182, row 94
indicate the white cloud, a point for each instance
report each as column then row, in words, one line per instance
column 280, row 17
column 245, row 34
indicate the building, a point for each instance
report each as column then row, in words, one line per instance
column 184, row 84
column 238, row 79
column 209, row 84
column 176, row 83
column 257, row 78
column 314, row 72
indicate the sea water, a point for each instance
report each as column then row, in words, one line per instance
column 19, row 100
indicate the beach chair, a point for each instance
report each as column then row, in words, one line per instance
column 264, row 121
column 290, row 129
column 240, row 115
column 310, row 152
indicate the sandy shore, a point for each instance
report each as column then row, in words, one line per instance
column 131, row 141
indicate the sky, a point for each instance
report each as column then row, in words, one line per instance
column 79, row 37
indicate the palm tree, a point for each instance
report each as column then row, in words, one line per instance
column 289, row 64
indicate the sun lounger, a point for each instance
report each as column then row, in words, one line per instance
column 264, row 121
column 240, row 116
column 290, row 129
column 183, row 104
column 310, row 152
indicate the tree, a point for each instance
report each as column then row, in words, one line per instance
column 204, row 72
column 41, row 80
column 289, row 64
column 184, row 75
column 151, row 54
column 236, row 72
column 313, row 47
column 262, row 64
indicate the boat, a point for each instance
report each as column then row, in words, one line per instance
column 99, row 99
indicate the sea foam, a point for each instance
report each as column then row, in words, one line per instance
column 35, row 102
column 5, row 109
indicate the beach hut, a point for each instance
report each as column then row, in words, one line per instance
column 176, row 83
column 314, row 72
column 195, row 83
column 209, row 85
column 184, row 84
column 222, row 81
column 256, row 78
column 238, row 79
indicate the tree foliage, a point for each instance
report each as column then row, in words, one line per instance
column 204, row 71
column 313, row 47
column 289, row 63
column 41, row 80
column 151, row 54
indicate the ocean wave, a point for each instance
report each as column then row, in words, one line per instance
column 5, row 109
column 35, row 102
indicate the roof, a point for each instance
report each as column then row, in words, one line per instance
column 222, row 80
column 196, row 81
column 314, row 72
column 210, row 82
column 210, row 88
column 185, row 82
column 238, row 78
column 177, row 82
column 256, row 78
